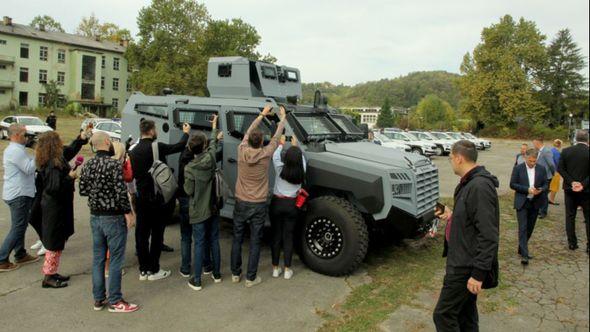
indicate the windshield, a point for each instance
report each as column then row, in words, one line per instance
column 441, row 136
column 383, row 138
column 456, row 135
column 411, row 137
column 423, row 136
column 31, row 122
column 468, row 135
column 316, row 124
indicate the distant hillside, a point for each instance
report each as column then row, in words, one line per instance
column 404, row 91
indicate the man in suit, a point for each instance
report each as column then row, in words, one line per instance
column 529, row 181
column 573, row 167
column 520, row 156
column 545, row 159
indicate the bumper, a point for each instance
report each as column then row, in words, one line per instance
column 409, row 226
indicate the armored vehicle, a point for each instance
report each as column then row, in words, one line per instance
column 354, row 184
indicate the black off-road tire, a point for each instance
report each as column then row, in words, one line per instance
column 330, row 213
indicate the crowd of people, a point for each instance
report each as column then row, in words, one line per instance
column 125, row 189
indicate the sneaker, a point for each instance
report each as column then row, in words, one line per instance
column 41, row 251
column 27, row 260
column 194, row 284
column 252, row 283
column 184, row 275
column 162, row 274
column 276, row 272
column 37, row 245
column 207, row 272
column 143, row 276
column 99, row 305
column 216, row 278
column 8, row 266
column 236, row 279
column 123, row 307
column 288, row 274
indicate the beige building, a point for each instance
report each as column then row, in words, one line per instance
column 91, row 72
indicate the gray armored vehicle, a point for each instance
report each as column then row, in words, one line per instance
column 354, row 185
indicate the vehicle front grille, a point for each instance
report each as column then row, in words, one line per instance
column 426, row 188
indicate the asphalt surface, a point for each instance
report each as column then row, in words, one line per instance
column 277, row 304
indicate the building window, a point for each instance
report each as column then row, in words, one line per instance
column 2, row 42
column 115, row 84
column 42, row 76
column 23, row 98
column 115, row 102
column 102, row 82
column 61, row 78
column 2, row 66
column 103, row 62
column 128, row 85
column 115, row 63
column 61, row 56
column 24, row 74
column 42, row 98
column 24, row 51
column 2, row 91
column 43, row 51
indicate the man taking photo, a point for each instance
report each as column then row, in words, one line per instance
column 471, row 242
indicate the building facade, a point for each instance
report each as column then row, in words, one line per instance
column 369, row 115
column 90, row 72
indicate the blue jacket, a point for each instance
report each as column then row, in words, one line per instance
column 519, row 182
column 545, row 159
column 556, row 156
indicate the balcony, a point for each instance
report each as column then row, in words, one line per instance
column 6, row 59
column 6, row 84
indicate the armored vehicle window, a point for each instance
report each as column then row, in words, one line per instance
column 269, row 72
column 159, row 111
column 316, row 125
column 224, row 70
column 345, row 124
column 241, row 123
column 196, row 118
column 292, row 76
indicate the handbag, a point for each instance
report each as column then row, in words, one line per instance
column 127, row 171
column 301, row 198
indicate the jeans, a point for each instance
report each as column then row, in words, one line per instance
column 456, row 309
column 202, row 239
column 186, row 240
column 149, row 233
column 108, row 233
column 283, row 218
column 20, row 208
column 527, row 218
column 255, row 214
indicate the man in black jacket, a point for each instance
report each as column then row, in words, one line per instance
column 573, row 167
column 152, row 213
column 529, row 181
column 471, row 242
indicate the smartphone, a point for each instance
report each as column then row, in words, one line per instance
column 440, row 208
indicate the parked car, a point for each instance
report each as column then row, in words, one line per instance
column 486, row 144
column 443, row 147
column 444, row 136
column 33, row 124
column 424, row 148
column 460, row 136
column 94, row 122
column 391, row 130
column 112, row 128
column 387, row 142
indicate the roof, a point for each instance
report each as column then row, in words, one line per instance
column 60, row 37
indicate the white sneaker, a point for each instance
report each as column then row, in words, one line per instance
column 37, row 245
column 216, row 280
column 162, row 274
column 41, row 251
column 143, row 276
column 288, row 274
column 235, row 279
column 276, row 272
column 252, row 283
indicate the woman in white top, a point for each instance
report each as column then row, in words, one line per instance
column 289, row 176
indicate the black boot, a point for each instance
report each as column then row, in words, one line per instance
column 50, row 281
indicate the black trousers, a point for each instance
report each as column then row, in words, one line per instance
column 283, row 218
column 456, row 309
column 527, row 218
column 149, row 233
column 572, row 201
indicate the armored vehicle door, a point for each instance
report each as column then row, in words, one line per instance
column 238, row 120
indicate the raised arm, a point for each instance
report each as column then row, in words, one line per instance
column 257, row 122
column 167, row 149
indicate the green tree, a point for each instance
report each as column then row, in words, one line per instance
column 176, row 39
column 92, row 28
column 433, row 112
column 48, row 22
column 51, row 94
column 501, row 77
column 386, row 117
column 563, row 83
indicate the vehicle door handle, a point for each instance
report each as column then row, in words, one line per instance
column 231, row 160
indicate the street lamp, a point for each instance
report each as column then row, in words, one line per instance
column 570, row 126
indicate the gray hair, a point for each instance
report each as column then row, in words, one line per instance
column 582, row 136
column 531, row 153
column 15, row 129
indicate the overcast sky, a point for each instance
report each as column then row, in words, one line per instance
column 347, row 41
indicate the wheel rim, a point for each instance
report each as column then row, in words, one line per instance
column 439, row 151
column 416, row 151
column 324, row 238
